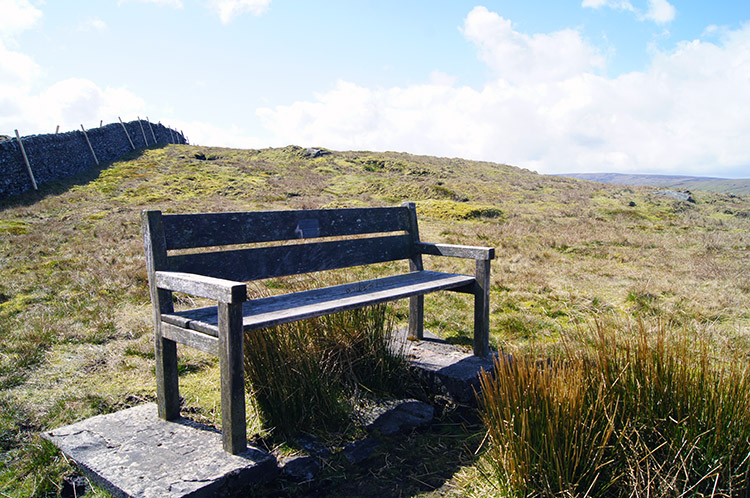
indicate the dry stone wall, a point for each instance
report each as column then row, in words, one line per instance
column 60, row 155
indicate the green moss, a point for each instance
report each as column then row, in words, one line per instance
column 451, row 210
column 14, row 227
column 157, row 177
column 16, row 304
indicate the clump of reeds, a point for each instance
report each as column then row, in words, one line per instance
column 634, row 412
column 304, row 375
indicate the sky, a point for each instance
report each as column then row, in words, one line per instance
column 554, row 86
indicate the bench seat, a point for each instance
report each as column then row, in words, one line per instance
column 286, row 308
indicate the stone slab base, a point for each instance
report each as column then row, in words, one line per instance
column 133, row 453
column 445, row 368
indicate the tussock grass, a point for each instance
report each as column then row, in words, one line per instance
column 305, row 376
column 633, row 408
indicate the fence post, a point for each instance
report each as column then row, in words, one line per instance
column 171, row 136
column 142, row 131
column 152, row 130
column 90, row 147
column 126, row 132
column 26, row 160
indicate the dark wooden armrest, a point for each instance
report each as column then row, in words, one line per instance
column 225, row 291
column 455, row 251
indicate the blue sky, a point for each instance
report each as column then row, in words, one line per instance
column 630, row 86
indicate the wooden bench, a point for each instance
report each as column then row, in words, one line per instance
column 266, row 244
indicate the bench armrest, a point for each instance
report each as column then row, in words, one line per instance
column 454, row 251
column 225, row 291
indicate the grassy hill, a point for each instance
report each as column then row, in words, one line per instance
column 724, row 185
column 75, row 332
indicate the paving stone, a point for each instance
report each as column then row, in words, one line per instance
column 133, row 453
column 394, row 416
column 312, row 446
column 445, row 368
column 359, row 451
column 300, row 468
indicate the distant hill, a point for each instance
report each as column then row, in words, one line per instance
column 723, row 185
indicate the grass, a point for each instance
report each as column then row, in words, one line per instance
column 633, row 408
column 309, row 376
column 75, row 332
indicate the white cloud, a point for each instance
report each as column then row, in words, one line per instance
column 177, row 4
column 659, row 11
column 612, row 4
column 18, row 16
column 16, row 68
column 68, row 103
column 78, row 101
column 229, row 9
column 518, row 57
column 203, row 133
column 686, row 114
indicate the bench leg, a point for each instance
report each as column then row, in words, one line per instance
column 482, row 309
column 167, row 387
column 231, row 361
column 416, row 317
column 165, row 354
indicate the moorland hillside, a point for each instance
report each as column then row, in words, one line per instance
column 75, row 332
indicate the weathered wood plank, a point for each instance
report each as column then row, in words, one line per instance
column 456, row 251
column 198, row 340
column 416, row 303
column 217, row 229
column 267, row 262
column 232, row 366
column 286, row 308
column 165, row 350
column 482, row 309
column 226, row 291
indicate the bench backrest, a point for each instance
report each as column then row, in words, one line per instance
column 371, row 235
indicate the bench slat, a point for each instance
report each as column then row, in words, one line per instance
column 267, row 262
column 285, row 308
column 200, row 341
column 185, row 231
